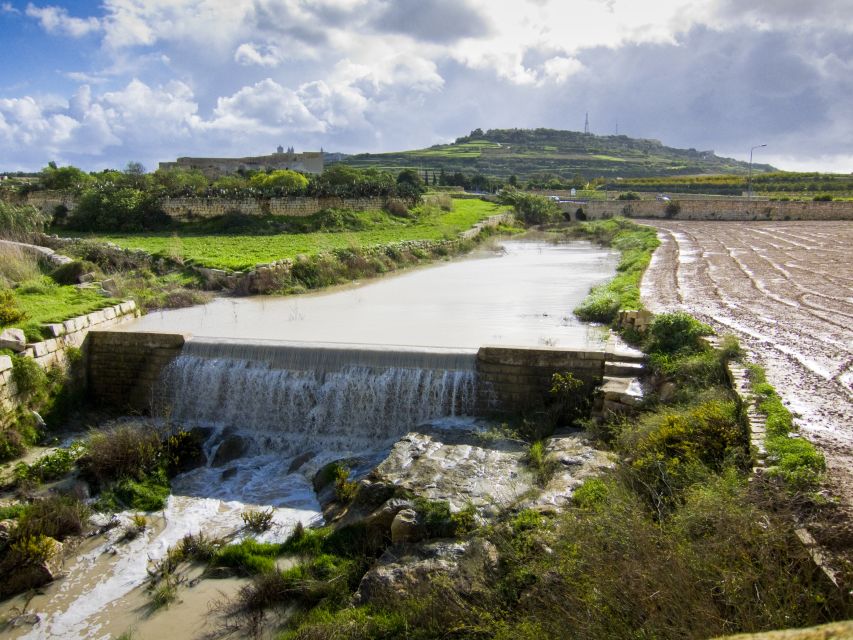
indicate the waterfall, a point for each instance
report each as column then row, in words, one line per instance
column 292, row 398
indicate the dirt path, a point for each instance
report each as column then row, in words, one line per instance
column 786, row 290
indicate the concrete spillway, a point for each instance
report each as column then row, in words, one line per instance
column 292, row 398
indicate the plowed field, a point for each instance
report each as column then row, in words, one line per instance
column 786, row 290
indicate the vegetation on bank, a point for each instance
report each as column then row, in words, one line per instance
column 233, row 249
column 636, row 244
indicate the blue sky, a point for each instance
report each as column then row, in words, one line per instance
column 101, row 84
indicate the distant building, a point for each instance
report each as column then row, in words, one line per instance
column 307, row 162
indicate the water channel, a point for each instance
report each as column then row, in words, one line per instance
column 292, row 406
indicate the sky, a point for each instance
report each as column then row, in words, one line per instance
column 98, row 85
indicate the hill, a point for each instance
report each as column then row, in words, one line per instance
column 527, row 152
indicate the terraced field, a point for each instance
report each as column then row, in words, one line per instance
column 786, row 290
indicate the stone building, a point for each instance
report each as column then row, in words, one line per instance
column 306, row 162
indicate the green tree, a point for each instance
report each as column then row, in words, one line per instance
column 68, row 179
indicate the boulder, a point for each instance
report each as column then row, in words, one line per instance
column 231, row 448
column 13, row 339
column 406, row 570
column 109, row 285
column 405, row 528
column 32, row 576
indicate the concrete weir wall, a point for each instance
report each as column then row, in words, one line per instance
column 123, row 367
column 516, row 378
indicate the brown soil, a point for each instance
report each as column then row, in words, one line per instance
column 785, row 289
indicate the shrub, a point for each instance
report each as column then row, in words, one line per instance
column 148, row 494
column 51, row 466
column 592, row 493
column 71, row 272
column 543, row 469
column 630, row 195
column 29, row 377
column 796, row 461
column 672, row 209
column 10, row 313
column 531, row 209
column 30, row 550
column 677, row 332
column 257, row 520
column 345, row 489
column 18, row 221
column 129, row 450
column 56, row 516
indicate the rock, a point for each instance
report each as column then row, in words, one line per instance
column 667, row 391
column 406, row 571
column 405, row 528
column 23, row 578
column 459, row 466
column 109, row 285
column 6, row 528
column 231, row 448
column 87, row 277
column 298, row 461
column 24, row 620
column 13, row 339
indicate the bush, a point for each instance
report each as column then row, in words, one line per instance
column 55, row 516
column 70, row 273
column 671, row 450
column 630, row 195
column 18, row 221
column 10, row 313
column 128, row 450
column 531, row 209
column 677, row 332
column 256, row 520
column 672, row 209
column 29, row 377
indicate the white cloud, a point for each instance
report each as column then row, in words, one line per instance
column 249, row 53
column 56, row 20
column 559, row 69
column 6, row 7
column 264, row 107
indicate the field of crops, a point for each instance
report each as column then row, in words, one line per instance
column 245, row 251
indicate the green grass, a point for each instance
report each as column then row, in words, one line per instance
column 240, row 252
column 636, row 243
column 44, row 301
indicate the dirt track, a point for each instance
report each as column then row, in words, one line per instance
column 786, row 290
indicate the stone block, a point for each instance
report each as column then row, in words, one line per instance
column 39, row 349
column 5, row 363
column 56, row 329
column 13, row 339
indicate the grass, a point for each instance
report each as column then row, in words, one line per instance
column 636, row 244
column 44, row 301
column 241, row 252
column 793, row 459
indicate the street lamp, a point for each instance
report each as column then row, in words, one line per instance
column 749, row 179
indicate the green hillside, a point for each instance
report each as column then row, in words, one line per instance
column 528, row 152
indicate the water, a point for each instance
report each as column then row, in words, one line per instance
column 521, row 294
column 296, row 398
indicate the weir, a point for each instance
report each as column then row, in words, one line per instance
column 291, row 398
column 320, row 390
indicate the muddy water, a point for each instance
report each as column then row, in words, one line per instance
column 521, row 293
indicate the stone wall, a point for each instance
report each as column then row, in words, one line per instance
column 51, row 352
column 719, row 209
column 200, row 208
column 122, row 368
column 513, row 379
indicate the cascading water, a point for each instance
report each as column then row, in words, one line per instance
column 293, row 398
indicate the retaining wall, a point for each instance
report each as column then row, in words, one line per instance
column 735, row 209
column 51, row 352
column 200, row 208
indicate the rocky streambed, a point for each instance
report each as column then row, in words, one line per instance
column 473, row 470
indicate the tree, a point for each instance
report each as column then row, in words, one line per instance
column 410, row 185
column 283, row 180
column 70, row 179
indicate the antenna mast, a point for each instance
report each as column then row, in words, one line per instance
column 586, row 124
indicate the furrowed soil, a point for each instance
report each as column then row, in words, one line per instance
column 786, row 290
